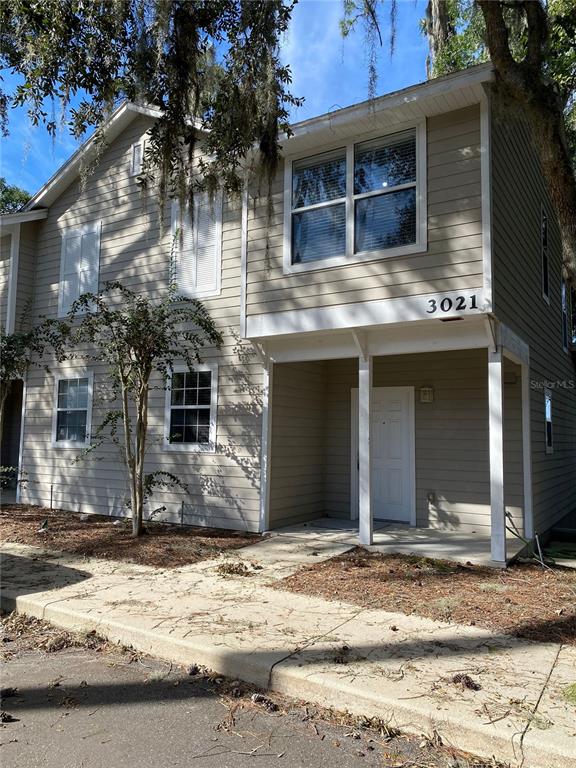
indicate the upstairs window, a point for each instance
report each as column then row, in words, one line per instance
column 545, row 257
column 71, row 423
column 548, row 419
column 191, row 408
column 79, row 265
column 360, row 201
column 197, row 248
column 137, row 158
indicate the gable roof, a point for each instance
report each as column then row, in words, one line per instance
column 113, row 127
column 442, row 94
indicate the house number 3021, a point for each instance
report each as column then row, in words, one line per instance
column 447, row 304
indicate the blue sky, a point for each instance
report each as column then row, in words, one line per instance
column 328, row 71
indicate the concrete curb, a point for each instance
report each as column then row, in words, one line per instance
column 419, row 715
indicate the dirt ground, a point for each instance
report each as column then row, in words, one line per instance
column 524, row 600
column 163, row 545
column 76, row 700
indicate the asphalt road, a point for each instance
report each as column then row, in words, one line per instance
column 81, row 708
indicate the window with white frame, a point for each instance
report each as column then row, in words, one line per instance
column 72, row 411
column 197, row 247
column 355, row 202
column 545, row 255
column 191, row 402
column 79, row 265
column 548, row 420
column 137, row 158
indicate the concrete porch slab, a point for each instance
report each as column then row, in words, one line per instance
column 392, row 538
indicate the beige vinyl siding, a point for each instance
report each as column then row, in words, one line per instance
column 518, row 191
column 453, row 260
column 223, row 486
column 26, row 275
column 451, row 437
column 5, row 243
column 296, row 491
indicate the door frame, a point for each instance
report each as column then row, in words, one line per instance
column 354, row 495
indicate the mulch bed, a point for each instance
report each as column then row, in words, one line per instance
column 524, row 600
column 163, row 545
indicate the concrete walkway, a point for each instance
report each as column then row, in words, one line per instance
column 395, row 667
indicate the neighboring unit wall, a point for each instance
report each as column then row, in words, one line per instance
column 297, row 455
column 4, row 276
column 224, row 486
column 518, row 192
column 453, row 260
column 26, row 275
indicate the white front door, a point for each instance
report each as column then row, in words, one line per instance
column 392, row 454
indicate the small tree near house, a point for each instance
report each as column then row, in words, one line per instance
column 139, row 340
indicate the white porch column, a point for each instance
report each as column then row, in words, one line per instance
column 527, row 454
column 364, row 448
column 496, row 447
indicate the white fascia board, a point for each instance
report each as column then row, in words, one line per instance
column 9, row 219
column 368, row 313
column 440, row 85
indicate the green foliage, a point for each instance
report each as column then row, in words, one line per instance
column 139, row 340
column 12, row 198
column 161, row 53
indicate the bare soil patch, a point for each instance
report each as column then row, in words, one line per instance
column 524, row 600
column 163, row 545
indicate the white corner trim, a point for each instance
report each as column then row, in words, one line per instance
column 266, row 445
column 63, row 375
column 244, row 261
column 486, row 190
column 437, row 306
column 210, row 446
column 13, row 279
column 351, row 257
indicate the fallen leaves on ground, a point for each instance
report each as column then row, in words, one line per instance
column 163, row 545
column 524, row 600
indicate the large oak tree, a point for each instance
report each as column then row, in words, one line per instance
column 219, row 60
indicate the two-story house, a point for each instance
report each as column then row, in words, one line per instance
column 397, row 340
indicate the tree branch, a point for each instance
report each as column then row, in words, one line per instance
column 537, row 33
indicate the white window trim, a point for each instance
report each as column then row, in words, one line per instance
column 421, row 244
column 544, row 213
column 175, row 217
column 142, row 145
column 548, row 396
column 79, row 232
column 210, row 446
column 67, row 376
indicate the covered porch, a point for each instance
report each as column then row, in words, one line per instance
column 418, row 452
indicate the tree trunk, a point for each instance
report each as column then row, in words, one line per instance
column 526, row 83
column 129, row 455
column 141, row 430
